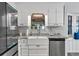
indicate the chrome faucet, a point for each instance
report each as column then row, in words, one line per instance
column 38, row 30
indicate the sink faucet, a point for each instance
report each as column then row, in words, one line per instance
column 38, row 30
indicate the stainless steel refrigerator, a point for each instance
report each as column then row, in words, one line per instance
column 8, row 27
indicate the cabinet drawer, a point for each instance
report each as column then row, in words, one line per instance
column 75, row 46
column 38, row 41
column 39, row 47
column 24, row 47
column 38, row 53
column 24, row 52
column 24, row 40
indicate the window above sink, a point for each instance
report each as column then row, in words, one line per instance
column 37, row 22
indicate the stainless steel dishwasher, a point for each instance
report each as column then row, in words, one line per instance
column 56, row 46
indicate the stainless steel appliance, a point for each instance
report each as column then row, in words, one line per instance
column 56, row 46
column 12, row 24
column 2, row 28
column 8, row 27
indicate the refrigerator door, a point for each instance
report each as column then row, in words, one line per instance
column 11, row 26
column 2, row 28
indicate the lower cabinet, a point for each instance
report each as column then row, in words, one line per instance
column 39, row 46
column 38, row 52
column 33, row 47
column 22, row 47
column 24, row 51
column 71, row 47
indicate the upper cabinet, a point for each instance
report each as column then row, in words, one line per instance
column 56, row 15
column 51, row 17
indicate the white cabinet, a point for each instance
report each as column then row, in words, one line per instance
column 60, row 15
column 38, row 41
column 22, row 47
column 56, row 15
column 71, row 45
column 52, row 16
column 24, row 51
column 38, row 52
column 75, row 45
column 38, row 46
column 33, row 46
column 68, row 46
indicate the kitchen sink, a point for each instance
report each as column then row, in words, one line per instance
column 34, row 37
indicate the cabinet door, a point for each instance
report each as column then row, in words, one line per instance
column 68, row 45
column 75, row 44
column 39, row 46
column 60, row 14
column 77, row 48
column 19, row 47
column 23, row 47
column 38, row 41
column 52, row 16
column 38, row 52
column 24, row 51
column 24, row 41
column 71, row 45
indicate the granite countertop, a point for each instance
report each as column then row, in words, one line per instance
column 44, row 35
column 68, row 36
column 56, row 36
column 23, row 37
column 49, row 36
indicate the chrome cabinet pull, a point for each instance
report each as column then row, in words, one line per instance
column 38, row 45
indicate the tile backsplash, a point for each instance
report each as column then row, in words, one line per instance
column 57, row 30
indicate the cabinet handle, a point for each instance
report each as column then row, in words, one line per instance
column 38, row 45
